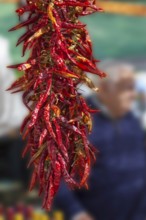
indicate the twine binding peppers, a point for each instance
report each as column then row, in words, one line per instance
column 59, row 119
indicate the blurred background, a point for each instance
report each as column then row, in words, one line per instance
column 118, row 34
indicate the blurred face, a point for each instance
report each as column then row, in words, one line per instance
column 119, row 94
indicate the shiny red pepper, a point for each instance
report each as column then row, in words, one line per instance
column 59, row 118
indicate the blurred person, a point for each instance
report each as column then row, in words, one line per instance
column 117, row 181
column 140, row 104
column 12, row 112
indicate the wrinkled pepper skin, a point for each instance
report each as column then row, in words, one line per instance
column 59, row 119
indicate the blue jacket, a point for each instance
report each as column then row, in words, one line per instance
column 117, row 189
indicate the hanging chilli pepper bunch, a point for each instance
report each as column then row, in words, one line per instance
column 59, row 119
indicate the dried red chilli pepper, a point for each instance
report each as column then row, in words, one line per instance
column 59, row 119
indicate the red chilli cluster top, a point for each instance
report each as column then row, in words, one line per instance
column 59, row 119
